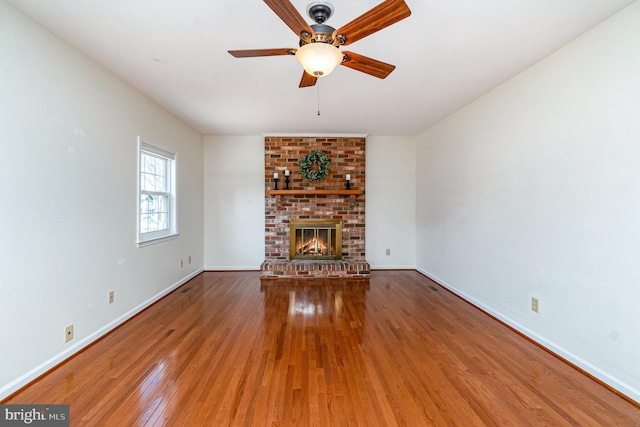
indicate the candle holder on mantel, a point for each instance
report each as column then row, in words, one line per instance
column 286, row 180
column 275, row 180
column 347, row 184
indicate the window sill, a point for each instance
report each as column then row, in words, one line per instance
column 142, row 244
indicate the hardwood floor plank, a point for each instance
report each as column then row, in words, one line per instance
column 390, row 352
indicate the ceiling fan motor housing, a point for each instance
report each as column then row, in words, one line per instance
column 323, row 34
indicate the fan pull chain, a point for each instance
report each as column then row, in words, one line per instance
column 318, row 88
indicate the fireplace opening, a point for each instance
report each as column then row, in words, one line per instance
column 315, row 239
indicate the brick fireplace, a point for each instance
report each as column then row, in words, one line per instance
column 323, row 202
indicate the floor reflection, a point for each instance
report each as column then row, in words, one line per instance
column 150, row 399
column 316, row 304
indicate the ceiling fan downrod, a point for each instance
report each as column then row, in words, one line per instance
column 320, row 11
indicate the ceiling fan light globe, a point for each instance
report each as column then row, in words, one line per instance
column 319, row 59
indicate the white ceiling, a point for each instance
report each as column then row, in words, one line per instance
column 447, row 53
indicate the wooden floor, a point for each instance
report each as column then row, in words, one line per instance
column 389, row 352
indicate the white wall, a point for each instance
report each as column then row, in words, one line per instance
column 68, row 171
column 391, row 202
column 233, row 202
column 533, row 191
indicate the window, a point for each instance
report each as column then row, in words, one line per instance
column 156, row 194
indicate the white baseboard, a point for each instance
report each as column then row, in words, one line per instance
column 25, row 379
column 392, row 267
column 232, row 268
column 598, row 373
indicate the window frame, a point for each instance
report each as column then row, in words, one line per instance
column 171, row 232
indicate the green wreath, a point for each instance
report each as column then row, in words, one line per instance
column 307, row 169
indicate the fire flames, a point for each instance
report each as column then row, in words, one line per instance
column 314, row 247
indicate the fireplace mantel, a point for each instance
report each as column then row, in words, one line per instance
column 314, row 192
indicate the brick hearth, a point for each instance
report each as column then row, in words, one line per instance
column 347, row 155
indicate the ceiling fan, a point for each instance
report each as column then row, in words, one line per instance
column 318, row 52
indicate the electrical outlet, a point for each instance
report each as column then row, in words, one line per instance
column 68, row 333
column 534, row 304
column 111, row 297
column 388, row 252
column 189, row 259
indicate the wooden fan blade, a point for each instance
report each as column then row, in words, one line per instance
column 366, row 65
column 250, row 53
column 307, row 80
column 288, row 13
column 386, row 13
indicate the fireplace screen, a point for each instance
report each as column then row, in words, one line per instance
column 315, row 239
